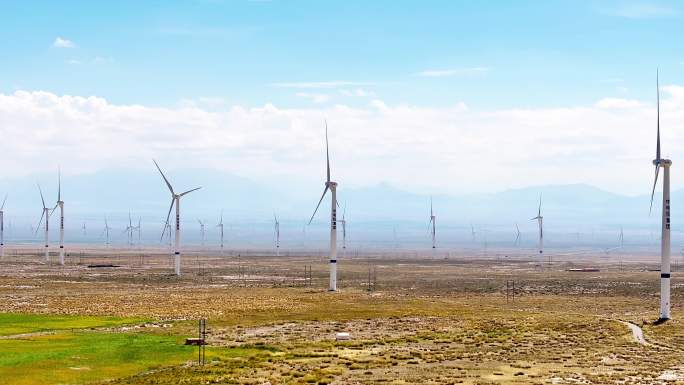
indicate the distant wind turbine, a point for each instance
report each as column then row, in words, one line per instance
column 46, row 215
column 517, row 235
column 220, row 226
column 2, row 227
column 60, row 204
column 431, row 225
column 105, row 231
column 201, row 230
column 276, row 234
column 344, row 227
column 621, row 238
column 540, row 220
column 332, row 186
column 665, row 229
column 175, row 200
column 472, row 231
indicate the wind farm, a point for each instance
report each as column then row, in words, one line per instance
column 405, row 113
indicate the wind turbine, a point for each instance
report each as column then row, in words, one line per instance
column 84, row 229
column 621, row 238
column 658, row 162
column 540, row 220
column 201, row 231
column 220, row 226
column 2, row 227
column 129, row 230
column 175, row 200
column 431, row 225
column 276, row 234
column 105, row 231
column 472, row 231
column 344, row 227
column 332, row 186
column 139, row 228
column 46, row 215
column 60, row 204
column 517, row 235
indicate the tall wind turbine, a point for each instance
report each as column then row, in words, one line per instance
column 220, row 226
column 276, row 234
column 2, row 227
column 473, row 233
column 175, row 200
column 46, row 215
column 540, row 220
column 431, row 225
column 332, row 186
column 517, row 235
column 60, row 204
column 665, row 235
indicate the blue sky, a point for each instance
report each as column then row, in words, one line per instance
column 453, row 96
column 494, row 54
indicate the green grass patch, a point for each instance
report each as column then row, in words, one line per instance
column 86, row 356
column 17, row 323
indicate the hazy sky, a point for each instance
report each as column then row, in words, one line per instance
column 461, row 96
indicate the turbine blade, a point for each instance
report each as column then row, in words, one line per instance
column 3, row 203
column 59, row 184
column 658, row 117
column 540, row 200
column 41, row 195
column 173, row 200
column 657, row 169
column 40, row 221
column 319, row 203
column 189, row 191
column 163, row 176
column 327, row 152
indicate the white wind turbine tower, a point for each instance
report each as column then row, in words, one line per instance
column 175, row 200
column 431, row 225
column 665, row 235
column 540, row 220
column 473, row 233
column 332, row 186
column 2, row 227
column 276, row 234
column 201, row 230
column 84, row 229
column 220, row 226
column 46, row 215
column 60, row 204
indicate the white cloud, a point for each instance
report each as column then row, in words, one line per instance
column 618, row 103
column 316, row 98
column 74, row 61
column 453, row 148
column 328, row 84
column 453, row 72
column 63, row 43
